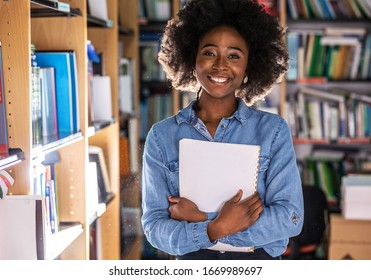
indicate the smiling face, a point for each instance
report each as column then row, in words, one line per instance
column 221, row 62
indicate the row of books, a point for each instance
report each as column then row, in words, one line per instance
column 333, row 114
column 154, row 108
column 45, row 178
column 150, row 69
column 326, row 169
column 332, row 53
column 325, row 174
column 54, row 95
column 45, row 183
column 329, row 9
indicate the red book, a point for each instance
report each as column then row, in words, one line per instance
column 270, row 6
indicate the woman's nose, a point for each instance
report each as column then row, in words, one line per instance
column 220, row 64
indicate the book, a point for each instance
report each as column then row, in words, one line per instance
column 365, row 72
column 293, row 46
column 96, row 155
column 22, row 228
column 52, row 200
column 202, row 178
column 158, row 10
column 356, row 196
column 126, row 85
column 36, row 114
column 270, row 6
column 293, row 9
column 101, row 98
column 51, row 192
column 6, row 181
column 3, row 123
column 75, row 92
column 133, row 145
column 338, row 111
column 61, row 61
column 49, row 104
column 98, row 8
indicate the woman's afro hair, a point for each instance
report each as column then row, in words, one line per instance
column 268, row 57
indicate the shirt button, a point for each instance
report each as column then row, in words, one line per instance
column 224, row 126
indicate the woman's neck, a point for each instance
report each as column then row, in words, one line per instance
column 214, row 110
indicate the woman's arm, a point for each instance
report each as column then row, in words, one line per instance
column 236, row 214
column 282, row 216
column 163, row 232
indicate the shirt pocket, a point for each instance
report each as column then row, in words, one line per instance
column 172, row 171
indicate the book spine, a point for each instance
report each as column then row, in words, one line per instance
column 36, row 105
column 3, row 122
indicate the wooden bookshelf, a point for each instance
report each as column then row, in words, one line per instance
column 356, row 84
column 50, row 26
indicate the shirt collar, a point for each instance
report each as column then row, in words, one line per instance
column 188, row 114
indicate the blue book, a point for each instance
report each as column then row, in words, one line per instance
column 75, row 92
column 292, row 46
column 63, row 84
column 3, row 123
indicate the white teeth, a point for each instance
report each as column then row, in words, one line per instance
column 218, row 79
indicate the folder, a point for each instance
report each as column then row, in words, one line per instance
column 210, row 173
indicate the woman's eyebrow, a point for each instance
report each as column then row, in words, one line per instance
column 215, row 46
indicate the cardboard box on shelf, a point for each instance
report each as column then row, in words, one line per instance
column 349, row 239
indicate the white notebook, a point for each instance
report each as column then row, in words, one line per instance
column 210, row 173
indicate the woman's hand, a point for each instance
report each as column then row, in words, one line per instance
column 182, row 209
column 236, row 215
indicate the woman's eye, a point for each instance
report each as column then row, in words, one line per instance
column 234, row 56
column 208, row 53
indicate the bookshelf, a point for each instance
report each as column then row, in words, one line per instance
column 63, row 25
column 349, row 147
column 157, row 99
column 132, row 25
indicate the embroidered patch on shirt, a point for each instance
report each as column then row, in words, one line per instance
column 295, row 218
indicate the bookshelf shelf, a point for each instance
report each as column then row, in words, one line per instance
column 94, row 215
column 153, row 26
column 45, row 12
column 45, row 8
column 15, row 156
column 341, row 141
column 320, row 23
column 98, row 22
column 58, row 242
column 63, row 140
column 126, row 31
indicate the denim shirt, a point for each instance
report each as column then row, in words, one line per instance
column 279, row 182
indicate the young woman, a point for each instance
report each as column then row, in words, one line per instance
column 231, row 53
